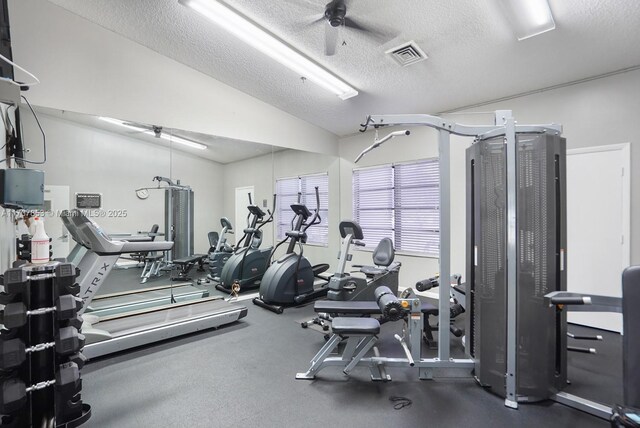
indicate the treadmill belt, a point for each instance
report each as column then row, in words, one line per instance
column 128, row 299
column 148, row 321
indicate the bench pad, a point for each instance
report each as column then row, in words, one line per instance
column 346, row 325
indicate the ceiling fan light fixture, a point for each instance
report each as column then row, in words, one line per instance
column 163, row 135
column 529, row 17
column 262, row 40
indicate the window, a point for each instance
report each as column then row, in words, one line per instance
column 287, row 190
column 401, row 202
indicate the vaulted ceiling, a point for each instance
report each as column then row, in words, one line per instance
column 473, row 53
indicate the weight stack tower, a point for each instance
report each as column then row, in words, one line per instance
column 41, row 347
column 179, row 221
column 540, row 265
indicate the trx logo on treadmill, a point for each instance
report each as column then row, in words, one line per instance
column 95, row 281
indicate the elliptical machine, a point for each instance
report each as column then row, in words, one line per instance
column 222, row 251
column 289, row 281
column 245, row 267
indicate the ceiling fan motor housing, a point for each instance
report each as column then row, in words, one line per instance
column 335, row 13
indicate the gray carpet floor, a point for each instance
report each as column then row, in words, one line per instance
column 244, row 375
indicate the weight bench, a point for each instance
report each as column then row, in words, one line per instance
column 354, row 308
column 152, row 264
column 184, row 266
column 361, row 335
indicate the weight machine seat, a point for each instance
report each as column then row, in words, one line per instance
column 383, row 256
column 352, row 326
column 361, row 308
column 372, row 270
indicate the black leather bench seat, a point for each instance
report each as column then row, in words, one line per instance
column 347, row 326
column 361, row 308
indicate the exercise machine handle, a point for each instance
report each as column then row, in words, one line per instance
column 378, row 143
column 570, row 300
column 315, row 218
column 406, row 349
column 427, row 284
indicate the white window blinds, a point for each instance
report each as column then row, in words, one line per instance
column 287, row 193
column 400, row 202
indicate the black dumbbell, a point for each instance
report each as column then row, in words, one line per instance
column 66, row 274
column 13, row 352
column 68, row 383
column 68, row 306
column 14, row 280
column 13, row 394
column 69, row 341
column 15, row 314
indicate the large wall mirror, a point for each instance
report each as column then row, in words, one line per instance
column 116, row 160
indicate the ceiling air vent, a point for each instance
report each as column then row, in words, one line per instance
column 407, row 53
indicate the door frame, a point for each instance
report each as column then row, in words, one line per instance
column 625, row 149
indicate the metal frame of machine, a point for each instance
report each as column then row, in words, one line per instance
column 504, row 125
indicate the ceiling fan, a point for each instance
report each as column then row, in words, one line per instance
column 335, row 17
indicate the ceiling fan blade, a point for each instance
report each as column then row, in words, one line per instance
column 307, row 4
column 379, row 34
column 351, row 23
column 330, row 39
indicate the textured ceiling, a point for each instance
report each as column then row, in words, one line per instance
column 219, row 149
column 473, row 54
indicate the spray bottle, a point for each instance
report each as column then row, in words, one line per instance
column 39, row 243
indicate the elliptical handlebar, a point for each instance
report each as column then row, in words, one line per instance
column 271, row 213
column 315, row 218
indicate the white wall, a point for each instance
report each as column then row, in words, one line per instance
column 599, row 112
column 261, row 172
column 91, row 160
column 88, row 69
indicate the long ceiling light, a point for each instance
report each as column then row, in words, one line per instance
column 260, row 39
column 530, row 17
column 163, row 135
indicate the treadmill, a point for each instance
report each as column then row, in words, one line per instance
column 138, row 321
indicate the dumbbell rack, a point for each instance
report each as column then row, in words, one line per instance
column 40, row 381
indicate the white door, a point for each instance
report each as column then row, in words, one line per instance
column 56, row 199
column 242, row 200
column 598, row 227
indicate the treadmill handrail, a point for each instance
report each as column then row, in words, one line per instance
column 88, row 234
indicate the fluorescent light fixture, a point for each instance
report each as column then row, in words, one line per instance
column 179, row 140
column 529, row 17
column 262, row 40
column 121, row 123
column 163, row 135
